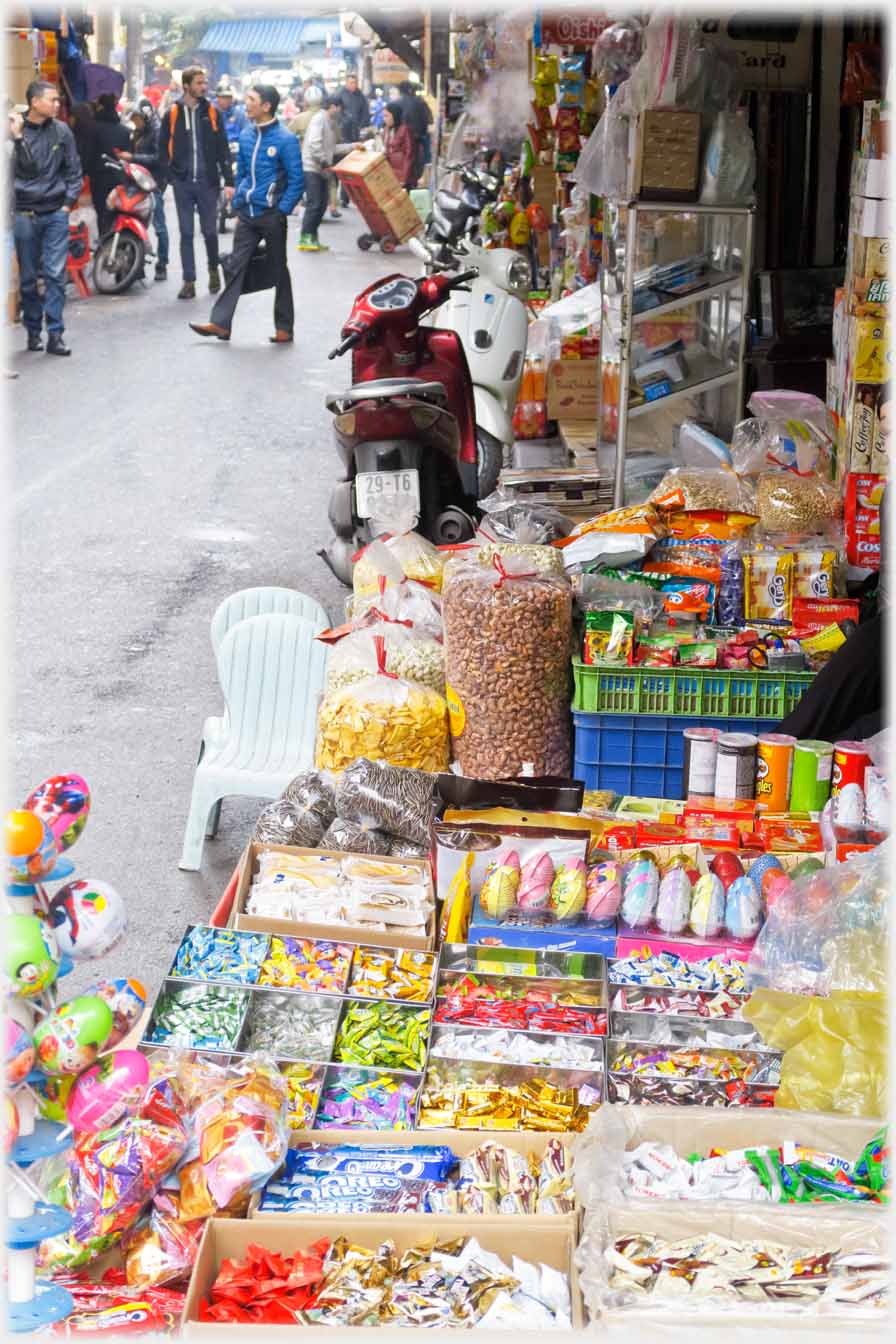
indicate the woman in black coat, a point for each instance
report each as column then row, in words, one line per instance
column 110, row 135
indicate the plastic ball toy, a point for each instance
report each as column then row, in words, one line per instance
column 100, row 1096
column 70, row 1039
column 19, row 1053
column 88, row 918
column 63, row 802
column 31, row 849
column 126, row 1000
column 32, row 955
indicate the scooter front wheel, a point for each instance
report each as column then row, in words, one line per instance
column 365, row 241
column 115, row 268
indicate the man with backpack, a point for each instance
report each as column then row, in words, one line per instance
column 194, row 156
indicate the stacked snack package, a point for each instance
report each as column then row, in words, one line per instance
column 418, row 558
column 507, row 644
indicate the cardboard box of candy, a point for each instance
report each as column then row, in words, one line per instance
column 536, row 1241
column 404, row 1172
column 372, row 899
column 786, row 1288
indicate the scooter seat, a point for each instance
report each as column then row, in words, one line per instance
column 384, row 388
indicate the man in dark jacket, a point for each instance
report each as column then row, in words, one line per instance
column 195, row 157
column 270, row 183
column 111, row 138
column 145, row 150
column 355, row 116
column 47, row 182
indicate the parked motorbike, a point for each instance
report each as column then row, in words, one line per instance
column 456, row 215
column 405, row 430
column 490, row 320
column 225, row 207
column 123, row 250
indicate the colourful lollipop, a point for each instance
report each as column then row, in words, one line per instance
column 70, row 1039
column 30, row 847
column 63, row 802
column 32, row 955
column 100, row 1096
column 126, row 1000
column 89, row 918
column 19, row 1053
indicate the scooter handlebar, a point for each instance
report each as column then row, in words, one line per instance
column 351, row 339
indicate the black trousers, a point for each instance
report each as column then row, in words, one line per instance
column 271, row 226
column 846, row 699
column 317, row 191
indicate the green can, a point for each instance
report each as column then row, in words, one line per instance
column 810, row 784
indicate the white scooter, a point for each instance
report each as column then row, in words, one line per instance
column 491, row 321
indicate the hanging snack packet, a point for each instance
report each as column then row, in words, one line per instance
column 814, row 572
column 609, row 638
column 768, row 585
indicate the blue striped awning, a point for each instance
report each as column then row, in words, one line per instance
column 269, row 37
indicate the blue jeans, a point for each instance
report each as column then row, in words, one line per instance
column 202, row 197
column 161, row 228
column 42, row 247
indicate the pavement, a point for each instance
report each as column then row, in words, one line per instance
column 154, row 473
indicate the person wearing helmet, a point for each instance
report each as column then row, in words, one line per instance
column 232, row 112
column 145, row 150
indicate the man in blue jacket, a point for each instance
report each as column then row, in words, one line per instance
column 270, row 184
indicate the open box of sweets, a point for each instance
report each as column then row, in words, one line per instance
column 321, row 894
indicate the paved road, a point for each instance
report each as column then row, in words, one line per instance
column 154, row 474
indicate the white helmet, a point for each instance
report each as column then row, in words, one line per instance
column 313, row 96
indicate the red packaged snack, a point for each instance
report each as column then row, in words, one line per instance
column 811, row 614
column 861, row 512
column 567, row 119
column 266, row 1288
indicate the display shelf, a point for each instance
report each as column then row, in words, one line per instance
column 702, row 380
column 713, row 288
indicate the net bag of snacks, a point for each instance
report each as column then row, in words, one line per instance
column 410, row 654
column 418, row 558
column 384, row 719
column 800, row 505
column 398, row 801
column 508, row 635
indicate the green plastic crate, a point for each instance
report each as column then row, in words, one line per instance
column 687, row 692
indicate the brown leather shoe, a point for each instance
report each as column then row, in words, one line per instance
column 281, row 337
column 210, row 329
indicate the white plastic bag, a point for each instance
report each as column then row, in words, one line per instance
column 729, row 164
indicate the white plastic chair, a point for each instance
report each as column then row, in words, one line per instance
column 239, row 607
column 272, row 671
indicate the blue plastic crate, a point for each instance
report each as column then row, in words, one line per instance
column 640, row 755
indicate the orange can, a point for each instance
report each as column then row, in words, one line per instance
column 774, row 765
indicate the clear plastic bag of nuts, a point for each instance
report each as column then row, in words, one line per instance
column 410, row 654
column 508, row 634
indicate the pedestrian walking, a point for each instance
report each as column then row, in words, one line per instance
column 416, row 114
column 145, row 150
column 111, row 136
column 47, row 180
column 377, row 108
column 320, row 148
column 195, row 157
column 355, row 116
column 399, row 147
column 269, row 187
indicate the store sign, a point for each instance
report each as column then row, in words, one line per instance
column 572, row 28
column 772, row 53
column 387, row 68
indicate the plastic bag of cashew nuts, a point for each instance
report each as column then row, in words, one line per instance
column 508, row 635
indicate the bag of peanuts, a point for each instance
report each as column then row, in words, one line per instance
column 800, row 505
column 508, row 640
column 701, row 488
column 417, row 557
column 410, row 654
column 383, row 719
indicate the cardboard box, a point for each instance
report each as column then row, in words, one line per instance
column 372, row 172
column 667, row 165
column 346, row 933
column 870, row 349
column 401, row 213
column 544, row 188
column 860, row 418
column 535, row 1238
column 572, row 389
column 861, row 513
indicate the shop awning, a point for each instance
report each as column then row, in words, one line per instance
column 270, row 37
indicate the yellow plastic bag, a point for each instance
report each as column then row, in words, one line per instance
column 835, row 1049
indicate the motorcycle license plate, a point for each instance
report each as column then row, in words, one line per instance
column 373, row 489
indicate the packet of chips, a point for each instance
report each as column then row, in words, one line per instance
column 768, row 585
column 814, row 572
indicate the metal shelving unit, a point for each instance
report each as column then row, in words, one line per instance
column 639, row 237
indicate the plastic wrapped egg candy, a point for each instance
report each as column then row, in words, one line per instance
column 502, row 880
column 775, row 884
column 849, row 807
column 639, row 893
column 674, row 901
column 568, row 890
column 603, row 892
column 743, row 909
column 727, row 868
column 708, row 907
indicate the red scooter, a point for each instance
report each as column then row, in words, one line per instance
column 406, row 429
column 123, row 250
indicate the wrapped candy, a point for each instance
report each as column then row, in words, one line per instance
column 568, row 890
column 535, row 883
column 501, row 886
column 743, row 909
column 163, row 1250
column 674, row 901
column 640, row 893
column 708, row 906
column 107, row 1178
column 603, row 892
